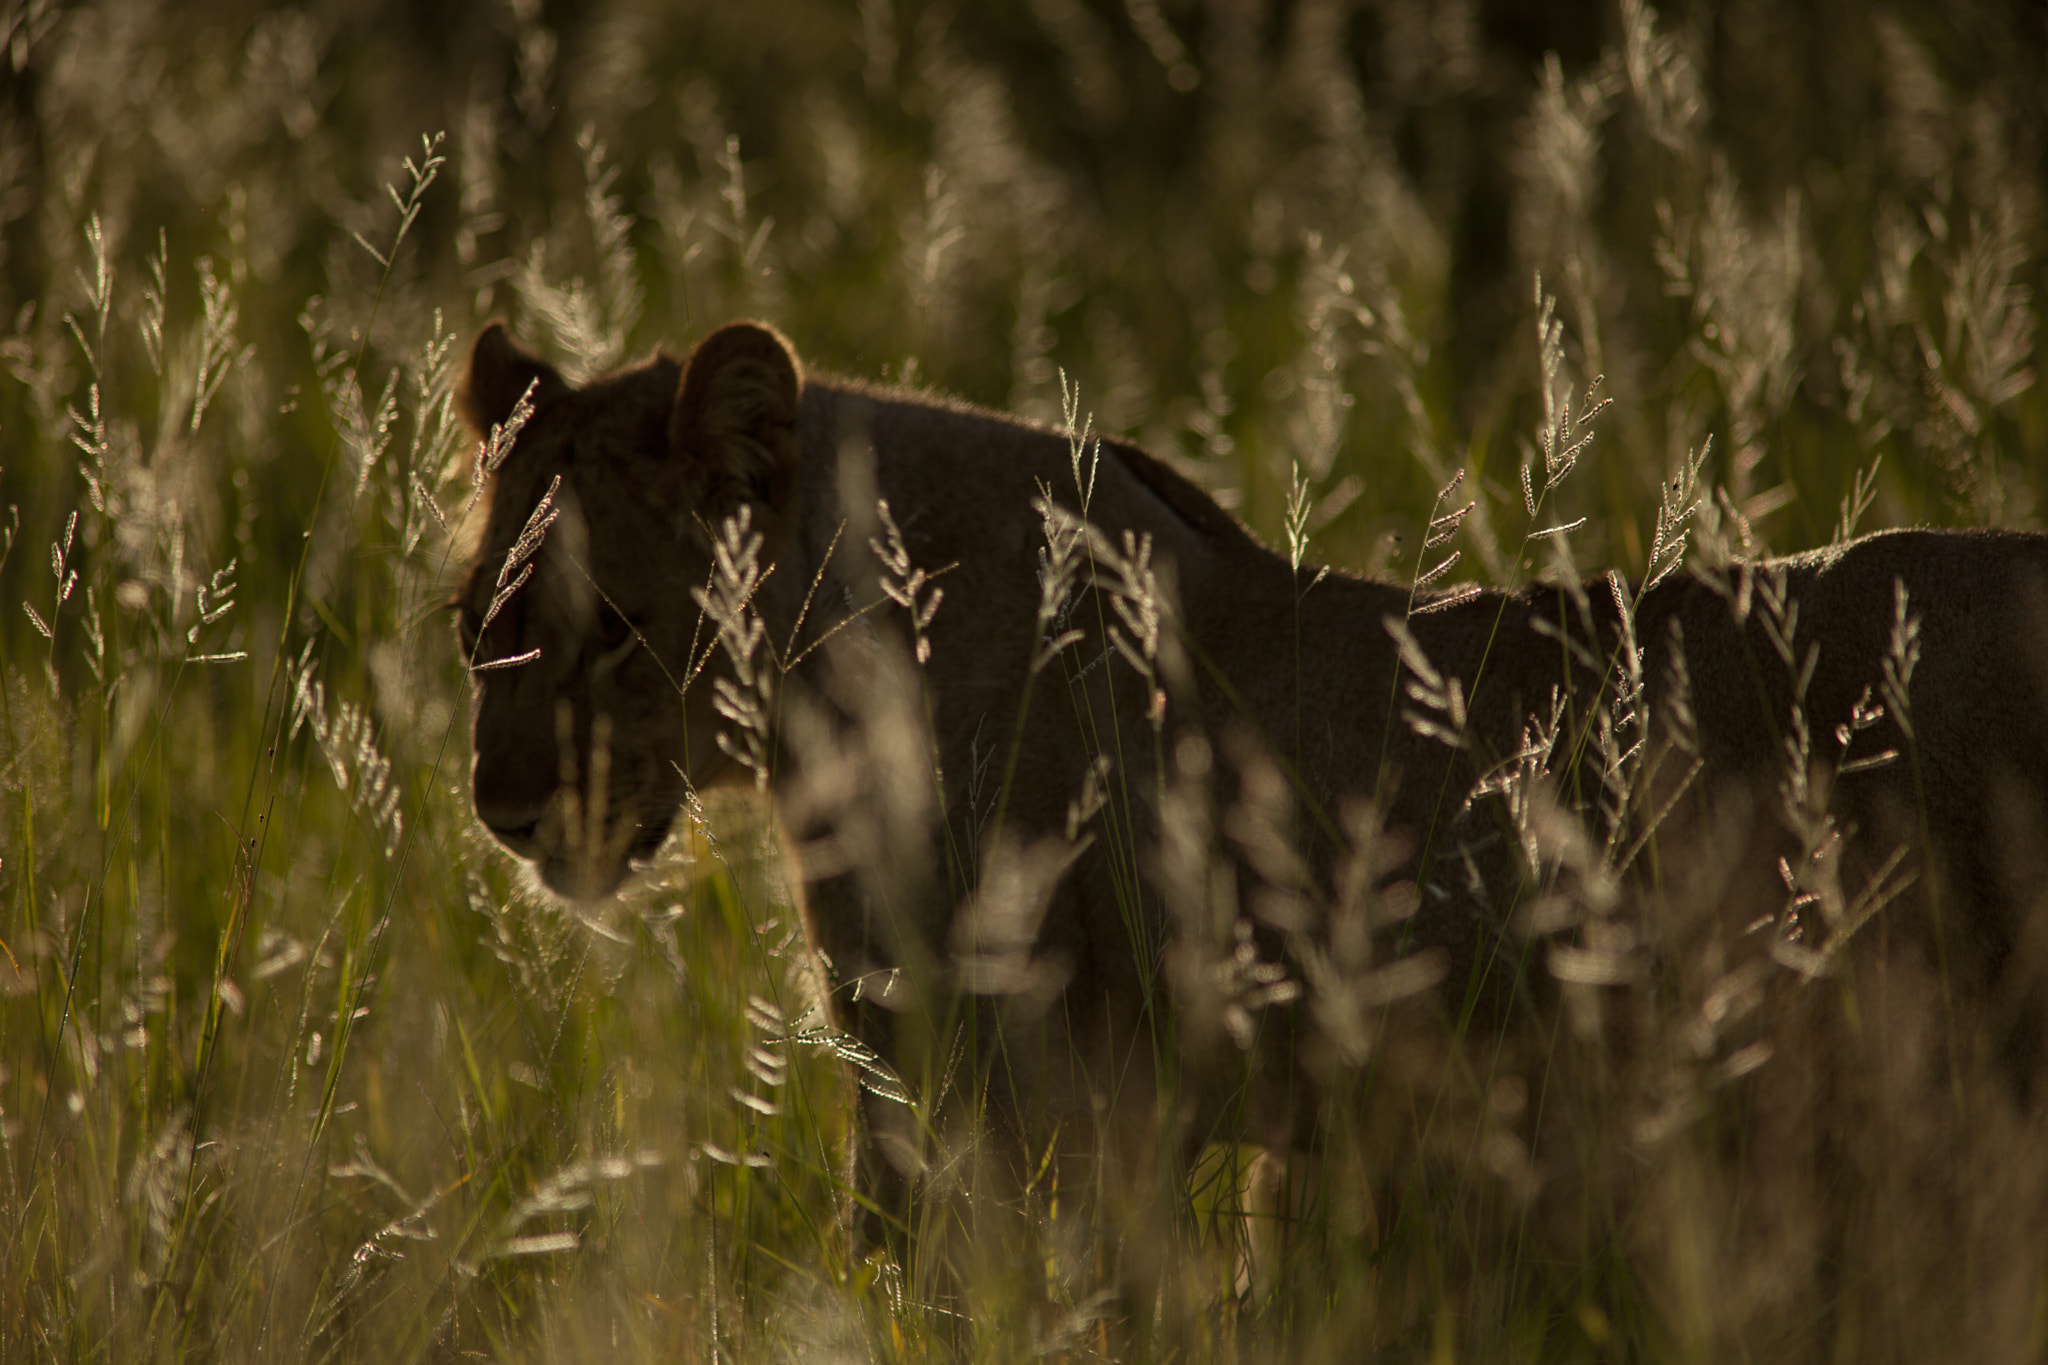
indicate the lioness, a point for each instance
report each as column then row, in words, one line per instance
column 1118, row 668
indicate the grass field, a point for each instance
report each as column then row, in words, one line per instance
column 296, row 1065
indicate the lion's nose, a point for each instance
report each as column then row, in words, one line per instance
column 514, row 827
column 511, row 797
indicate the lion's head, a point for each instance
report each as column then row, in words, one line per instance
column 591, row 718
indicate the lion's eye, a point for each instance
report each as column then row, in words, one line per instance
column 465, row 627
column 613, row 629
column 615, row 634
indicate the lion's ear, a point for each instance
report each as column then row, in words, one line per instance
column 500, row 372
column 733, row 430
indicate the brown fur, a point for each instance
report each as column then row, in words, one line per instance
column 1284, row 674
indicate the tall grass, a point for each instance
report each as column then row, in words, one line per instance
column 294, row 1064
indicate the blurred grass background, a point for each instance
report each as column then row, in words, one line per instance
column 292, row 1064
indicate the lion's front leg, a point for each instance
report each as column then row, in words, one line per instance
column 887, row 1139
column 865, row 994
